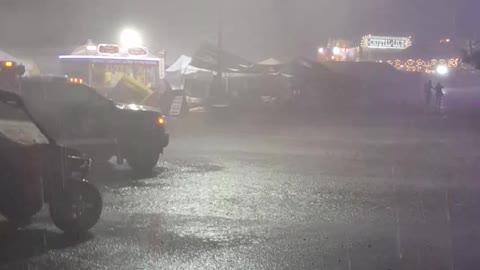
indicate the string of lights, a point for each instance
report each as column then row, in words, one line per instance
column 421, row 65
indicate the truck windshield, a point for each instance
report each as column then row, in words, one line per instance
column 16, row 127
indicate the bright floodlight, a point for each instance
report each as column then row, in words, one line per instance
column 130, row 38
column 336, row 50
column 442, row 70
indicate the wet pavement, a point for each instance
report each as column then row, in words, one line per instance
column 281, row 196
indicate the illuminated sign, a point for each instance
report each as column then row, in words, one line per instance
column 381, row 42
column 138, row 51
column 108, row 49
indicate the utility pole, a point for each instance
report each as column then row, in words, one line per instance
column 216, row 89
column 454, row 7
column 220, row 40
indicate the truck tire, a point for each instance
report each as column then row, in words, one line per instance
column 143, row 160
column 78, row 209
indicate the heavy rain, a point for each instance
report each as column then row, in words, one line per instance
column 221, row 134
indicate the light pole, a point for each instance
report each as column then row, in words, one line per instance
column 216, row 89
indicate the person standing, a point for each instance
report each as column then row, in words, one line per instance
column 428, row 87
column 438, row 96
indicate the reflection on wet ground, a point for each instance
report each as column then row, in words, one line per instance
column 293, row 196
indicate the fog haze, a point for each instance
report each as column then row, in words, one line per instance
column 255, row 29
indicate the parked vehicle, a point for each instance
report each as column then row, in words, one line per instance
column 36, row 170
column 81, row 118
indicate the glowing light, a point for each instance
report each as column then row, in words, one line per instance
column 75, row 80
column 438, row 66
column 91, row 48
column 138, row 51
column 453, row 62
column 160, row 121
column 130, row 38
column 321, row 50
column 9, row 64
column 108, row 49
column 386, row 42
column 101, row 57
column 133, row 107
column 336, row 50
column 442, row 70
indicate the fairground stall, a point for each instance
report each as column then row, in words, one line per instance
column 338, row 50
column 128, row 74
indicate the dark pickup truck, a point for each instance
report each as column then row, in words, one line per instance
column 79, row 117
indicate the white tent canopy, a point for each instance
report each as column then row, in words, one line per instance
column 182, row 65
column 181, row 69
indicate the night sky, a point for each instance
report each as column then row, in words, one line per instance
column 253, row 28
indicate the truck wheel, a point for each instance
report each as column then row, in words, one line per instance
column 78, row 210
column 143, row 162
